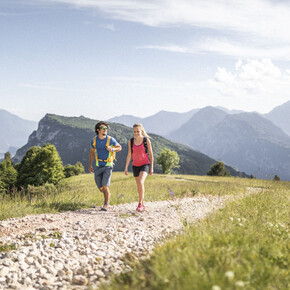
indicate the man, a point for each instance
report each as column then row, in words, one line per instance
column 102, row 149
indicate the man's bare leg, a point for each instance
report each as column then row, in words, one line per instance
column 107, row 196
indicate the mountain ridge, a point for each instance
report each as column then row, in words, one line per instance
column 14, row 131
column 247, row 141
column 72, row 136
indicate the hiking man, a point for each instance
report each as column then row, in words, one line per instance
column 103, row 148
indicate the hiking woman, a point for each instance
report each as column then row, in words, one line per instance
column 139, row 148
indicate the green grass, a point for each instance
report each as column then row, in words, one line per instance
column 81, row 192
column 245, row 245
column 7, row 247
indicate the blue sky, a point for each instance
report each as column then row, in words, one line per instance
column 104, row 58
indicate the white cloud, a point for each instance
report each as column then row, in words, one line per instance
column 225, row 47
column 259, row 17
column 109, row 26
column 170, row 48
column 251, row 29
column 257, row 81
column 41, row 87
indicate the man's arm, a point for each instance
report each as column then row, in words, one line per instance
column 91, row 158
column 116, row 148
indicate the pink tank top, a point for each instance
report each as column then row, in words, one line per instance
column 139, row 155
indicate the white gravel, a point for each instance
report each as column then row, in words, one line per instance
column 73, row 250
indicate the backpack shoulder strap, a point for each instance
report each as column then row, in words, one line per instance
column 108, row 141
column 145, row 144
column 94, row 142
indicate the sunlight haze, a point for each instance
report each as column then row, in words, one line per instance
column 104, row 58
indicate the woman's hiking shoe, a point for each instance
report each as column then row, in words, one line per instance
column 140, row 207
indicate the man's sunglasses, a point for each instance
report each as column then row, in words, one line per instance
column 104, row 128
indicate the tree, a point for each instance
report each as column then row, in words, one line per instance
column 8, row 174
column 71, row 170
column 276, row 177
column 168, row 160
column 40, row 165
column 218, row 169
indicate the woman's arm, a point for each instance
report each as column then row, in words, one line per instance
column 129, row 156
column 150, row 151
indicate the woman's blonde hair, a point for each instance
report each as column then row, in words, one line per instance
column 142, row 129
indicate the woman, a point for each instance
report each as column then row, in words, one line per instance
column 139, row 148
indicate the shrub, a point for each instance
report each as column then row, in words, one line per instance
column 72, row 170
column 218, row 169
column 40, row 165
column 8, row 174
column 168, row 160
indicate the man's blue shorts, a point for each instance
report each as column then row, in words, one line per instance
column 103, row 176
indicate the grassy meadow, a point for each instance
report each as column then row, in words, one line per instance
column 81, row 192
column 244, row 245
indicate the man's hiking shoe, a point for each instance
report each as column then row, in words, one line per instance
column 140, row 207
column 104, row 207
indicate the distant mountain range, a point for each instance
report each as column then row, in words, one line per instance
column 14, row 132
column 161, row 123
column 165, row 122
column 72, row 135
column 280, row 116
column 255, row 143
column 247, row 141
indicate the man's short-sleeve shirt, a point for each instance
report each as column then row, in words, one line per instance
column 102, row 152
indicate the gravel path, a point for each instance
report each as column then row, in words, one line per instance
column 73, row 250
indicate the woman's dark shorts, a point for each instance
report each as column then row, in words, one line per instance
column 138, row 169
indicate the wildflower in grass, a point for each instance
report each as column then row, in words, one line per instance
column 171, row 192
column 120, row 195
column 215, row 287
column 240, row 284
column 231, row 218
column 230, row 275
